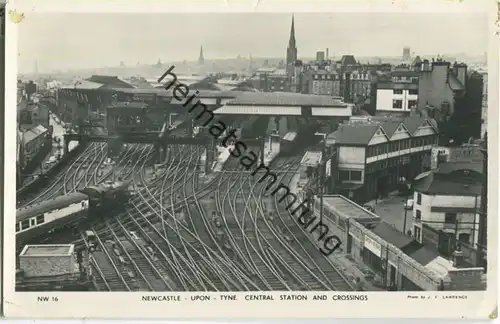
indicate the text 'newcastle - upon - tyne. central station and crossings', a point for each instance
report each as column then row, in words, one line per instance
column 328, row 174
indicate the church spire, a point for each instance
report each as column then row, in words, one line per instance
column 291, row 52
column 201, row 59
column 291, row 42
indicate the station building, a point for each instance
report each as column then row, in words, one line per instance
column 393, row 260
column 370, row 155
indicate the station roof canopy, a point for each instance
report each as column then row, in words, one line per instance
column 284, row 103
column 128, row 105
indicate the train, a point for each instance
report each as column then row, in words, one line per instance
column 42, row 218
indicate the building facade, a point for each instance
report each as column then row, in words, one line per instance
column 448, row 202
column 373, row 155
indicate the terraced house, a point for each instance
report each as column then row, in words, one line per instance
column 373, row 155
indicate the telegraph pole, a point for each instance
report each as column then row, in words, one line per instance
column 321, row 183
column 406, row 207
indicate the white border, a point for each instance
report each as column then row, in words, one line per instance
column 478, row 305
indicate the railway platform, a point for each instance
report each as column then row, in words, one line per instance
column 340, row 258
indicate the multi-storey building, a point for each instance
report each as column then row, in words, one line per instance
column 361, row 84
column 274, row 80
column 439, row 88
column 323, row 82
column 447, row 203
column 374, row 154
column 399, row 94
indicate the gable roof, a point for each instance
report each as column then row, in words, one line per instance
column 355, row 134
column 413, row 123
column 390, row 127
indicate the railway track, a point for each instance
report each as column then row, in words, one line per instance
column 167, row 241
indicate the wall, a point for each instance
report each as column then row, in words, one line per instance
column 434, row 88
column 404, row 264
column 465, row 280
column 436, row 219
column 400, row 134
column 38, row 266
column 378, row 138
column 351, row 157
column 384, row 99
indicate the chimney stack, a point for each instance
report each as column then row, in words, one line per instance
column 327, row 57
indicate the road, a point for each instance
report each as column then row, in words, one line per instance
column 57, row 132
column 391, row 210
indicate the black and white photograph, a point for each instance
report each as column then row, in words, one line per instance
column 252, row 152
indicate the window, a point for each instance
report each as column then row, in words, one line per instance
column 344, row 175
column 464, row 237
column 397, row 91
column 356, row 175
column 397, row 104
column 412, row 104
column 419, row 199
column 450, row 218
column 25, row 224
column 40, row 219
column 417, row 230
column 418, row 214
column 17, row 227
column 413, row 92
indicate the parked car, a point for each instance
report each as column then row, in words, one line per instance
column 409, row 204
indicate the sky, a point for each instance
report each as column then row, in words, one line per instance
column 92, row 40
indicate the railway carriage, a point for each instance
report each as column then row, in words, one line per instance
column 67, row 210
column 37, row 219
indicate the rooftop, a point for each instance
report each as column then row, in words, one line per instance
column 130, row 105
column 33, row 133
column 347, row 208
column 457, row 183
column 48, row 250
column 311, row 158
column 354, row 134
column 392, row 235
column 110, row 81
column 285, row 99
column 84, row 85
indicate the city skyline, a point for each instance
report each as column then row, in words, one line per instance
column 135, row 37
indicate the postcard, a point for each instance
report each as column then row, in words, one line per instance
column 251, row 160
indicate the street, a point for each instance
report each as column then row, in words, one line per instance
column 392, row 211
